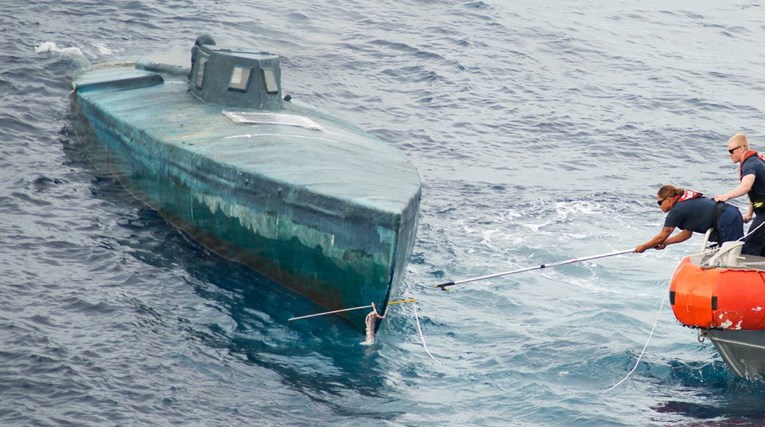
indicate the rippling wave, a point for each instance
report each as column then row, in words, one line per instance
column 541, row 133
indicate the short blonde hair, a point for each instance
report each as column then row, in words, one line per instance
column 740, row 139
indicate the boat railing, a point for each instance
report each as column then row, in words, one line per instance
column 704, row 247
column 729, row 255
column 726, row 256
column 706, row 250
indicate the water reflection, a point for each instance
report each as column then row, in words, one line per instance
column 246, row 315
column 715, row 394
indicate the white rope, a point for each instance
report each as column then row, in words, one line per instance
column 373, row 315
column 751, row 231
column 637, row 362
column 419, row 329
column 324, row 313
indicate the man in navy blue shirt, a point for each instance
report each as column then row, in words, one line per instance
column 689, row 211
column 752, row 183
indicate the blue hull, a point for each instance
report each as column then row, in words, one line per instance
column 327, row 211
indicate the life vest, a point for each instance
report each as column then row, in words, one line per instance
column 687, row 195
column 719, row 206
column 757, row 198
column 748, row 154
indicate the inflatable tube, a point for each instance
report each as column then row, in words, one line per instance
column 718, row 298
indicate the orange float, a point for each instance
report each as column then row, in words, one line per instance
column 718, row 297
column 722, row 294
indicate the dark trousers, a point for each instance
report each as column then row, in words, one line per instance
column 755, row 243
column 730, row 225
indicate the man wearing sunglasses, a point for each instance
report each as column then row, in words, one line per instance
column 689, row 211
column 752, row 183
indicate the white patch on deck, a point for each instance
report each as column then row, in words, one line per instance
column 265, row 135
column 726, row 324
column 757, row 309
column 247, row 117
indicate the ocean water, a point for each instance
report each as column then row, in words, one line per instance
column 541, row 132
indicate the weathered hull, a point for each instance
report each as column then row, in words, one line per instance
column 742, row 351
column 233, row 193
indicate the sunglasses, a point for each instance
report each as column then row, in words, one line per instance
column 659, row 202
column 734, row 149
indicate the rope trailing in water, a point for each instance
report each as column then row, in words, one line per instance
column 640, row 356
column 370, row 323
column 370, row 320
column 443, row 286
column 401, row 301
column 419, row 329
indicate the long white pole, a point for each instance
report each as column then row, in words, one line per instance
column 443, row 286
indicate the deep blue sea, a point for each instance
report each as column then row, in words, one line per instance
column 541, row 131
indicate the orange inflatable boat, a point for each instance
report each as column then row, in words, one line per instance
column 722, row 293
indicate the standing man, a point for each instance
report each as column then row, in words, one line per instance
column 752, row 183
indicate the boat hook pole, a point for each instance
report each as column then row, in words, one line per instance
column 443, row 286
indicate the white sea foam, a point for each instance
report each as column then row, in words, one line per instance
column 103, row 49
column 51, row 47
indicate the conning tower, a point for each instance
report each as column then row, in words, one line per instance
column 235, row 77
